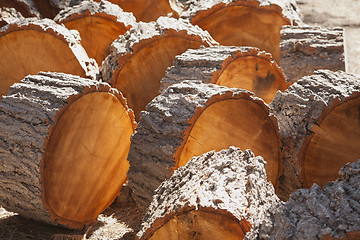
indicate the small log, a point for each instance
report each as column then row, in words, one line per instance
column 307, row 49
column 255, row 23
column 63, row 145
column 331, row 212
column 191, row 118
column 9, row 15
column 30, row 46
column 141, row 56
column 99, row 24
column 147, row 11
column 238, row 67
column 27, row 8
column 319, row 123
column 219, row 195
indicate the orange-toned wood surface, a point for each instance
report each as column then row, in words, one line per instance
column 335, row 142
column 239, row 24
column 29, row 51
column 139, row 78
column 201, row 225
column 97, row 33
column 234, row 122
column 86, row 158
column 257, row 74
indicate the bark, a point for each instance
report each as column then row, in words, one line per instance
column 28, row 114
column 307, row 49
column 9, row 15
column 209, row 64
column 99, row 24
column 300, row 109
column 229, row 182
column 166, row 125
column 330, row 212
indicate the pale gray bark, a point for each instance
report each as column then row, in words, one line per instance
column 298, row 109
column 333, row 210
column 26, row 114
column 307, row 49
column 229, row 181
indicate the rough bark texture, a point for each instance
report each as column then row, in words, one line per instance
column 229, row 181
column 306, row 49
column 162, row 129
column 9, row 15
column 27, row 115
column 298, row 110
column 289, row 7
column 331, row 212
column 71, row 38
column 27, row 8
column 127, row 45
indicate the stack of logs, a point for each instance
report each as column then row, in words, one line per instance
column 162, row 95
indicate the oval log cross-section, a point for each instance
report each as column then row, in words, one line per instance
column 255, row 23
column 192, row 118
column 142, row 55
column 99, row 24
column 319, row 123
column 147, row 11
column 77, row 171
column 237, row 67
column 215, row 196
column 30, row 46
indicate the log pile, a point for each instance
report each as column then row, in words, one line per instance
column 93, row 97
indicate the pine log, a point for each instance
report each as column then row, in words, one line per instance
column 63, row 147
column 25, row 7
column 238, row 67
column 9, row 15
column 330, row 212
column 255, row 23
column 30, row 46
column 307, row 49
column 141, row 56
column 319, row 123
column 99, row 24
column 219, row 195
column 191, row 118
column 147, row 11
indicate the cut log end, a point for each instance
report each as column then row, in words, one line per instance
column 72, row 148
column 336, row 136
column 85, row 158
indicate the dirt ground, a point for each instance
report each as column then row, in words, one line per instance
column 121, row 220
